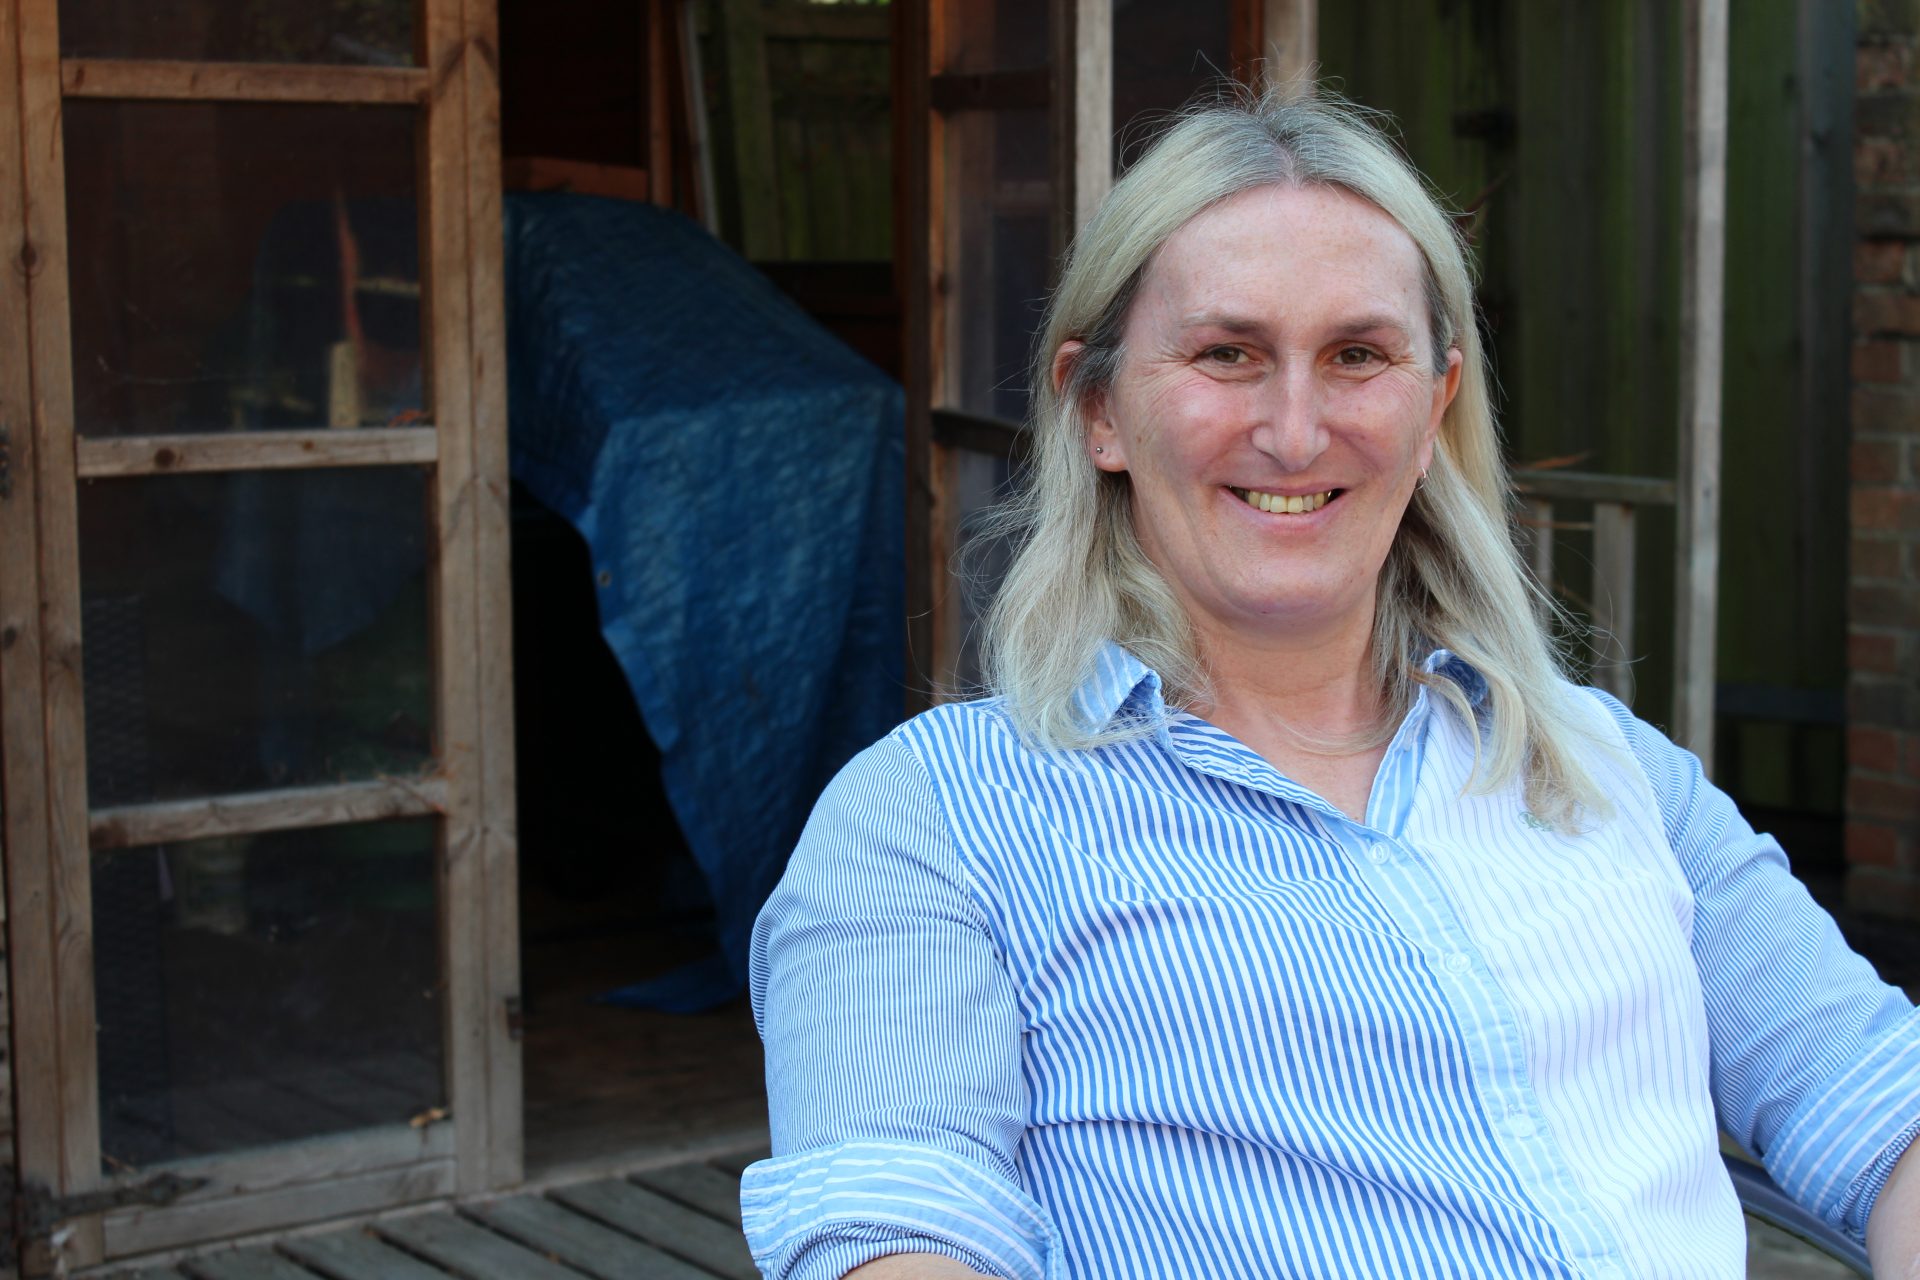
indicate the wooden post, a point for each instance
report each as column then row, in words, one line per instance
column 659, row 105
column 1082, row 110
column 58, row 1018
column 1613, row 588
column 1703, row 250
column 492, row 633
column 1290, row 40
column 915, row 130
column 1540, row 541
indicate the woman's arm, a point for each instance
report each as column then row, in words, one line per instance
column 1893, row 1232
column 892, row 1032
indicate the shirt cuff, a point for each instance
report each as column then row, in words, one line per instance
column 1838, row 1150
column 826, row 1211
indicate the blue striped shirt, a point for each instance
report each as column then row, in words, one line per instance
column 1156, row 1010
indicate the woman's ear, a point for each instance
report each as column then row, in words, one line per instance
column 1102, row 442
column 1445, row 388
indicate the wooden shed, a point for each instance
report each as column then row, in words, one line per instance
column 266, row 961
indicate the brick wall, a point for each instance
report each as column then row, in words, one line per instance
column 1883, row 611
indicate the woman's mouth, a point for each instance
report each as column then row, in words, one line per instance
column 1279, row 504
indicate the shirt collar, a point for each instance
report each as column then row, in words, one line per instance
column 1121, row 682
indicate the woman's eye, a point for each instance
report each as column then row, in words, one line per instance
column 1353, row 357
column 1226, row 355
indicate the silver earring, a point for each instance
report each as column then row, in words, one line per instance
column 1099, row 448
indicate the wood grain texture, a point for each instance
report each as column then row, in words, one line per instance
column 916, row 236
column 469, row 1250
column 242, row 81
column 31, row 1071
column 698, row 1186
column 662, row 1222
column 256, row 1263
column 581, row 1242
column 492, row 637
column 457, row 728
column 356, row 1255
column 1613, row 598
column 1082, row 114
column 1290, row 38
column 131, row 826
column 1703, row 220
column 111, row 456
column 1589, row 486
column 195, row 1222
column 75, row 1106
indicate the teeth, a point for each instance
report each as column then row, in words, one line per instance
column 1282, row 505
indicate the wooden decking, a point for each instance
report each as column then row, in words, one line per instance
column 681, row 1222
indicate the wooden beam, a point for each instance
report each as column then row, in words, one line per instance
column 917, row 230
column 659, row 140
column 955, row 430
column 492, row 625
column 1591, row 486
column 1703, row 257
column 1538, row 523
column 242, row 82
column 1082, row 114
column 1613, row 598
column 1290, row 41
column 33, row 1066
column 582, row 177
column 446, row 252
column 65, row 895
column 164, row 822
column 107, row 457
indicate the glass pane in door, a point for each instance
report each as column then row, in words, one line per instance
column 243, row 266
column 254, row 630
column 259, row 989
column 353, row 32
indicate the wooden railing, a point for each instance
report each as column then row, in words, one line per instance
column 1615, row 501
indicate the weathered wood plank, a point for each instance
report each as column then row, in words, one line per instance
column 1703, row 218
column 33, row 1067
column 1082, row 114
column 241, row 81
column 498, row 854
column 581, row 1242
column 257, row 1263
column 75, row 1107
column 110, row 456
column 750, row 116
column 356, row 1255
column 443, row 184
column 1613, row 598
column 698, row 1186
column 736, row 1162
column 133, row 826
column 1290, row 37
column 469, row 1250
column 916, row 238
column 660, row 1221
column 146, row 1230
column 1590, row 486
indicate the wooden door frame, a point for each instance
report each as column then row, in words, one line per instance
column 50, row 836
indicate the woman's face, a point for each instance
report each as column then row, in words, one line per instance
column 1275, row 406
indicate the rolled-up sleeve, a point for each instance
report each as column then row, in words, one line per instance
column 1816, row 1062
column 892, row 1038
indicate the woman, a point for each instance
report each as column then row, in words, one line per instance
column 1287, row 913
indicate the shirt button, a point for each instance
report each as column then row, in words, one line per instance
column 1378, row 855
column 1522, row 1126
column 1609, row 1271
column 1459, row 962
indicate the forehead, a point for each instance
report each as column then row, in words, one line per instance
column 1290, row 252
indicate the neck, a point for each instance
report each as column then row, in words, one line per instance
column 1321, row 683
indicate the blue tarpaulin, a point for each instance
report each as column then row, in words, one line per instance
column 737, row 474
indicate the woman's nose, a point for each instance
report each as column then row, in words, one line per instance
column 1290, row 427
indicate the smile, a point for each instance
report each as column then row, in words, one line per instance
column 1300, row 504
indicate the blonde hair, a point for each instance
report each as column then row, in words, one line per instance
column 1453, row 578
